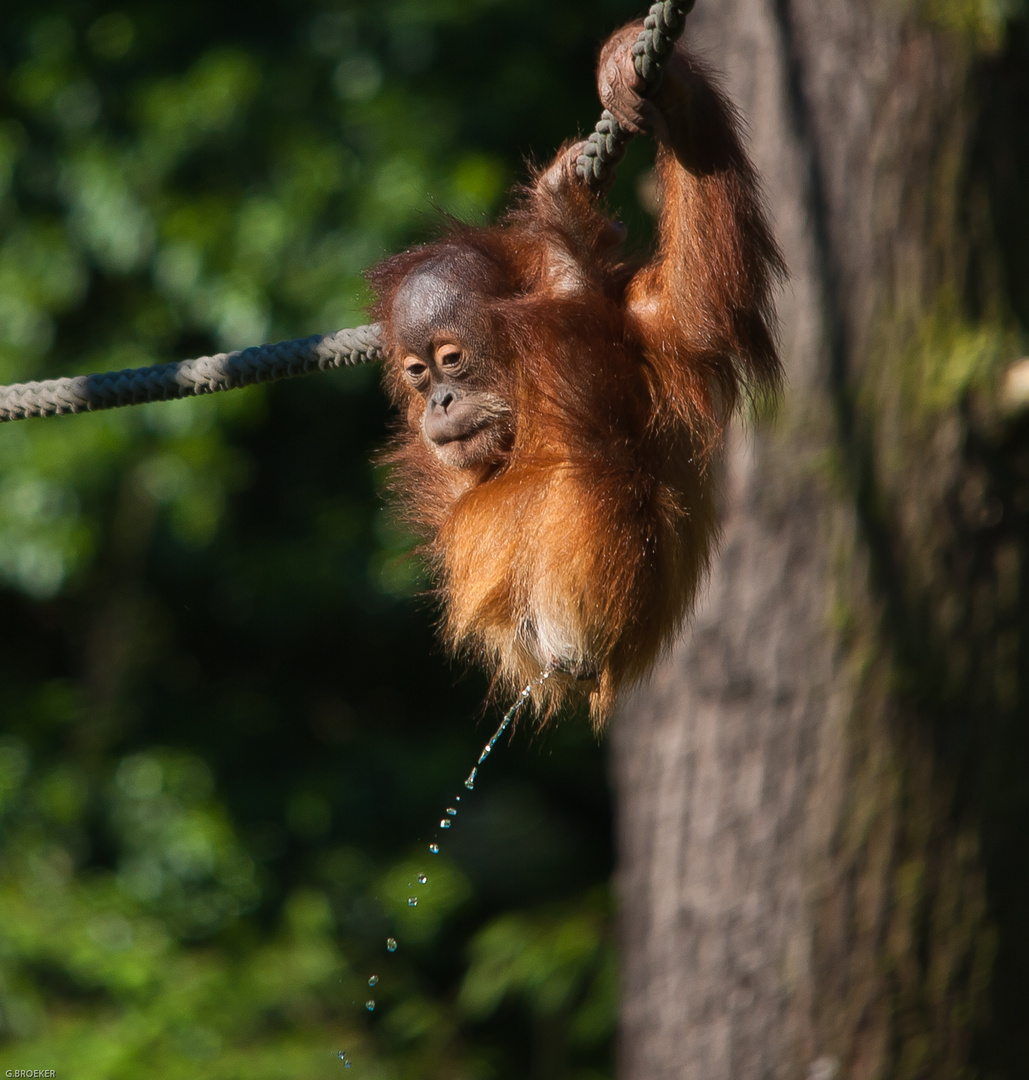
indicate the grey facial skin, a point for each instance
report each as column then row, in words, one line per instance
column 444, row 340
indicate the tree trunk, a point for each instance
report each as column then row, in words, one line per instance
column 819, row 793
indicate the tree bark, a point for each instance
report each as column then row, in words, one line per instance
column 818, row 807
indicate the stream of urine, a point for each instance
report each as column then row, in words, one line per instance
column 448, row 820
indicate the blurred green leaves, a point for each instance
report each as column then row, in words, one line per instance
column 443, row 893
column 556, row 965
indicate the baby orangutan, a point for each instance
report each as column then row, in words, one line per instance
column 563, row 402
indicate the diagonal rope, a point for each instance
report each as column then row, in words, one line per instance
column 360, row 345
column 188, row 378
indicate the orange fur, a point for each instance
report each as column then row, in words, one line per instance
column 584, row 544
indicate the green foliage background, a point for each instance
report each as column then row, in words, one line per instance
column 226, row 733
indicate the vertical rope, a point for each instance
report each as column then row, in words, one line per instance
column 606, row 145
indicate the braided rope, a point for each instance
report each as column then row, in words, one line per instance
column 188, row 378
column 266, row 363
column 607, row 143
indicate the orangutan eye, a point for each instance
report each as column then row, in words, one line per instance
column 414, row 369
column 449, row 356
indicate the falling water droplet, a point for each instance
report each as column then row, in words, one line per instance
column 434, row 848
column 346, row 1064
column 422, row 879
column 342, row 1055
column 452, row 811
column 470, row 782
column 391, row 944
column 445, row 823
column 412, row 901
column 370, row 1005
column 373, row 980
